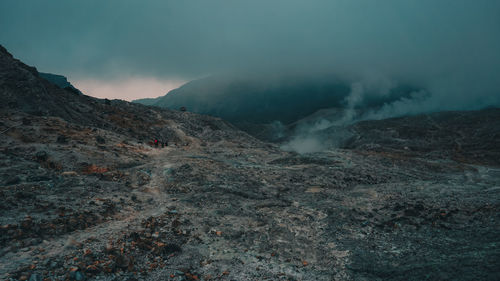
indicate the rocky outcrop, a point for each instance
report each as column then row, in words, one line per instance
column 60, row 81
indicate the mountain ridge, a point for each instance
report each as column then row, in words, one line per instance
column 59, row 80
column 240, row 99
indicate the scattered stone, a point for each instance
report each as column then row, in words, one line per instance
column 122, row 261
column 35, row 277
column 12, row 180
column 62, row 139
column 26, row 121
column 41, row 156
column 77, row 275
column 314, row 189
column 100, row 140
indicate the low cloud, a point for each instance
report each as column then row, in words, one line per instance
column 448, row 49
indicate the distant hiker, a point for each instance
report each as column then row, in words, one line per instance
column 156, row 143
column 166, row 143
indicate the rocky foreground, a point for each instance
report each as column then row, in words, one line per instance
column 83, row 196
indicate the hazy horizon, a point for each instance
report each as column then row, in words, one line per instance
column 129, row 89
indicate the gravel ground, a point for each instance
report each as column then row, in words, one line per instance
column 99, row 206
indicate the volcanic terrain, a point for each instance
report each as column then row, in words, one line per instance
column 85, row 196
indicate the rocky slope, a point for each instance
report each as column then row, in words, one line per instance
column 85, row 197
column 466, row 136
column 60, row 81
column 23, row 90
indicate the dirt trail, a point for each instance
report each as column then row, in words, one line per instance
column 150, row 202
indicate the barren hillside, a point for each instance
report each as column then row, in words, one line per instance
column 84, row 196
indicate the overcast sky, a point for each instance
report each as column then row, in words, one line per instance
column 447, row 45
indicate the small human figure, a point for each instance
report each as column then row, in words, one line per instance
column 156, row 143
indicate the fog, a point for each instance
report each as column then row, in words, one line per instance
column 447, row 47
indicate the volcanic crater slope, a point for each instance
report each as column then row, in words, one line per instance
column 84, row 196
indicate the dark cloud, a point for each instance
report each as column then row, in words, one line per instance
column 449, row 47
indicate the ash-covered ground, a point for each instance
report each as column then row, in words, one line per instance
column 85, row 197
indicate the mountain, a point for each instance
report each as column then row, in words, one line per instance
column 86, row 195
column 59, row 80
column 253, row 102
column 23, row 89
column 147, row 101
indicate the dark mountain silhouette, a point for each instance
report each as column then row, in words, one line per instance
column 60, row 81
column 263, row 100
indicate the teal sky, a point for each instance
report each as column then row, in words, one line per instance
column 451, row 46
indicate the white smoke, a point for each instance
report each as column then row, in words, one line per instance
column 329, row 128
column 418, row 102
column 305, row 144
